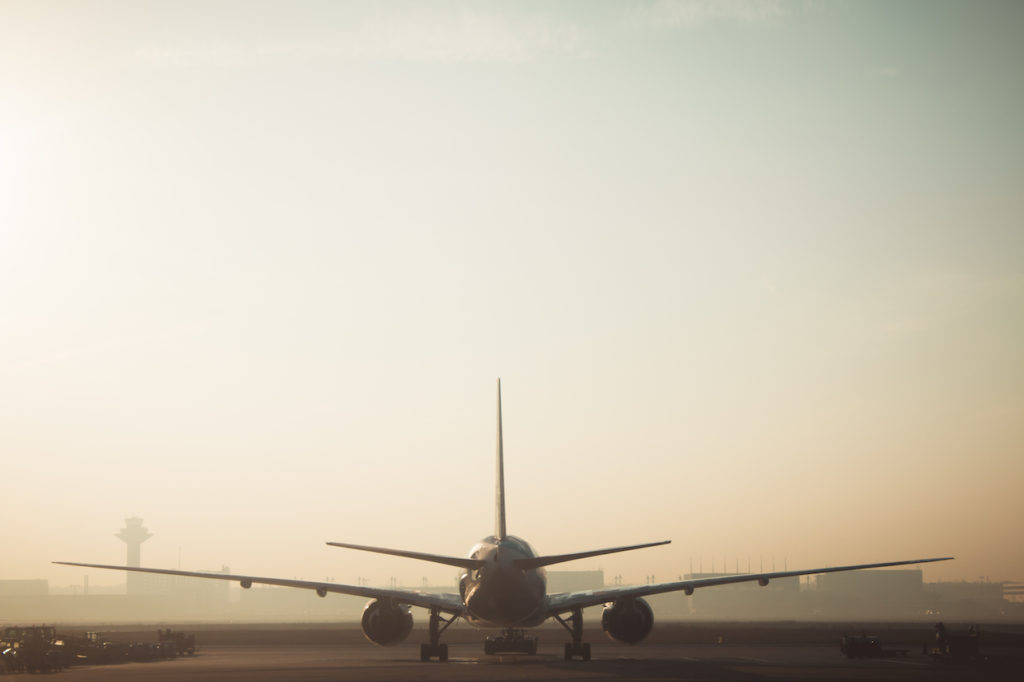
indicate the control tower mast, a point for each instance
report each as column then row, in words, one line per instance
column 133, row 535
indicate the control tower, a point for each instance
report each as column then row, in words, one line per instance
column 133, row 535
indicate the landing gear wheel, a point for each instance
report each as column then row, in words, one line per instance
column 438, row 651
column 580, row 651
column 434, row 648
column 577, row 648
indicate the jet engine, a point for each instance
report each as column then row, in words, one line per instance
column 627, row 620
column 386, row 623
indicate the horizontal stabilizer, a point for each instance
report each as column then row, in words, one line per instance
column 435, row 558
column 538, row 561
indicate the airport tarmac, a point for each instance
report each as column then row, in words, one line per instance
column 351, row 658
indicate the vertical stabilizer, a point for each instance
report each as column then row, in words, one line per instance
column 499, row 490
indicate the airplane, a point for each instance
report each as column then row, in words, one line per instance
column 504, row 586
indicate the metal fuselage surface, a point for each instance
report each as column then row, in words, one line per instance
column 500, row 593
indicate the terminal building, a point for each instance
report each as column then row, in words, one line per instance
column 888, row 594
column 778, row 600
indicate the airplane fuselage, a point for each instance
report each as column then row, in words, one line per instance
column 499, row 593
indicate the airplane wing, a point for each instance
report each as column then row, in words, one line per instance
column 448, row 603
column 567, row 601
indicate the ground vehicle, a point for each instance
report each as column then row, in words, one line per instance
column 958, row 647
column 184, row 644
column 32, row 649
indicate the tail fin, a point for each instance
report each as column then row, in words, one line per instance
column 499, row 492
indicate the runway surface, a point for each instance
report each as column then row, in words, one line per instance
column 351, row 658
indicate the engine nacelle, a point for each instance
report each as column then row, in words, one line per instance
column 386, row 623
column 627, row 620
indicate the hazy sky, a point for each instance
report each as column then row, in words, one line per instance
column 751, row 273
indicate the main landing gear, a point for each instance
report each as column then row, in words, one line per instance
column 574, row 625
column 434, row 649
column 511, row 641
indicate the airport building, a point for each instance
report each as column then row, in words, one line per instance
column 780, row 599
column 980, row 600
column 888, row 594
